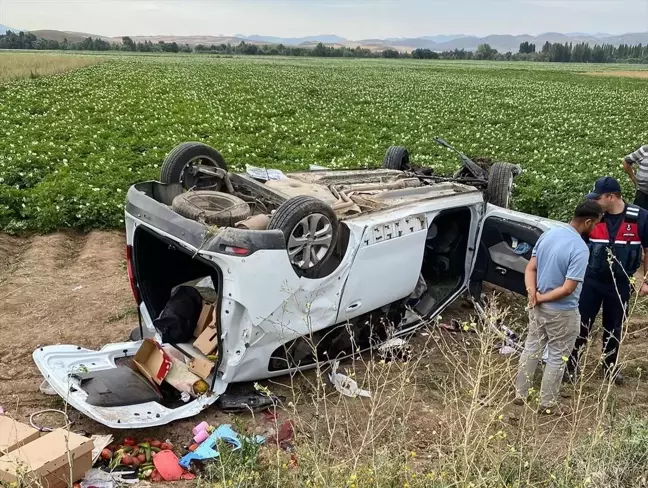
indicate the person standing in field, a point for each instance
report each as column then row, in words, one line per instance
column 638, row 160
column 554, row 279
column 616, row 246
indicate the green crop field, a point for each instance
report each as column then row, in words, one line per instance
column 71, row 144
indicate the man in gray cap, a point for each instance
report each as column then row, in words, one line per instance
column 616, row 246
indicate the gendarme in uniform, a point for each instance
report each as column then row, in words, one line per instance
column 616, row 253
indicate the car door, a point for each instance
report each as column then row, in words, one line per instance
column 506, row 241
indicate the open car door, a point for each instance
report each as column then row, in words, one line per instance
column 506, row 240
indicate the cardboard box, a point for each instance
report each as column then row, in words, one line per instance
column 152, row 361
column 15, row 434
column 46, row 460
column 201, row 367
column 206, row 319
column 207, row 341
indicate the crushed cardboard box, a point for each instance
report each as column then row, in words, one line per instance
column 152, row 361
column 15, row 434
column 48, row 461
column 207, row 340
column 201, row 367
column 207, row 319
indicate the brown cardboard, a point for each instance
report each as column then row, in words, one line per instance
column 201, row 367
column 152, row 361
column 47, row 459
column 207, row 341
column 15, row 434
column 206, row 319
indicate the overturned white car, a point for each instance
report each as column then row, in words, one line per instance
column 305, row 268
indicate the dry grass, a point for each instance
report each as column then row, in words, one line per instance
column 621, row 74
column 445, row 419
column 15, row 66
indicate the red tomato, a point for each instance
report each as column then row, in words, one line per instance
column 129, row 441
column 106, row 454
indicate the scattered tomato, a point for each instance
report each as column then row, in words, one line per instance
column 127, row 460
column 142, row 458
column 166, row 446
column 129, row 441
column 106, row 454
column 135, row 462
column 156, row 443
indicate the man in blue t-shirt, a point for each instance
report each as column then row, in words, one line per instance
column 616, row 253
column 554, row 279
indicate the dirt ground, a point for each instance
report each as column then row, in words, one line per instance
column 72, row 288
column 621, row 74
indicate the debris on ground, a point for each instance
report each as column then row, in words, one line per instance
column 395, row 349
column 254, row 401
column 205, row 450
column 345, row 385
column 284, row 435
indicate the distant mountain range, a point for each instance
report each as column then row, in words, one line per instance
column 4, row 28
column 502, row 43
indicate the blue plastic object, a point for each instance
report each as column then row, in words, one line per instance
column 523, row 248
column 206, row 448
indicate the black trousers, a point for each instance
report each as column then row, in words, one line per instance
column 641, row 199
column 613, row 298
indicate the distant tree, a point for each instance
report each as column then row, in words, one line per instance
column 424, row 54
column 390, row 53
column 527, row 48
column 128, row 44
column 485, row 52
column 320, row 50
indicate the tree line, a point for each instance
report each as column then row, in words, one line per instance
column 556, row 52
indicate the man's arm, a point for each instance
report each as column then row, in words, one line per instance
column 627, row 166
column 531, row 280
column 566, row 289
column 633, row 158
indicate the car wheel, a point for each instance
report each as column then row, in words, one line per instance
column 211, row 207
column 310, row 228
column 397, row 157
column 178, row 163
column 500, row 184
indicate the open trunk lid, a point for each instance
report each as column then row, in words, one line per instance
column 64, row 366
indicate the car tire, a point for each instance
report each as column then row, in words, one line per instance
column 397, row 157
column 500, row 184
column 211, row 207
column 183, row 156
column 298, row 218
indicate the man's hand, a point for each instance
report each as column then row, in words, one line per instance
column 643, row 291
column 532, row 298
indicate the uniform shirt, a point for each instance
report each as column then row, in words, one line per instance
column 562, row 255
column 640, row 157
column 613, row 221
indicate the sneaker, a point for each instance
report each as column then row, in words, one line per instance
column 557, row 410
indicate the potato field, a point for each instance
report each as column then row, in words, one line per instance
column 71, row 144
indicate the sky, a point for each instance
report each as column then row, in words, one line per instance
column 352, row 19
